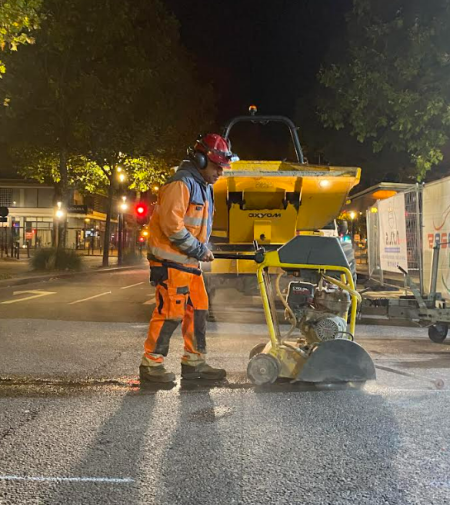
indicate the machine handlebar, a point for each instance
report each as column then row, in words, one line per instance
column 258, row 256
column 233, row 256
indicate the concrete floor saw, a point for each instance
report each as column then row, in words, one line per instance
column 314, row 283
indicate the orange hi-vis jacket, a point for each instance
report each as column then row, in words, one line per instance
column 181, row 222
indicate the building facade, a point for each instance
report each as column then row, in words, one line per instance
column 32, row 221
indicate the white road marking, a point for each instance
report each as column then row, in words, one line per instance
column 150, row 302
column 68, row 479
column 90, row 298
column 419, row 390
column 35, row 294
column 133, row 285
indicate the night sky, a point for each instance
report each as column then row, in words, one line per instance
column 266, row 52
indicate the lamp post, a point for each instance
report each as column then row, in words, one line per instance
column 122, row 209
column 123, row 206
column 59, row 214
column 353, row 217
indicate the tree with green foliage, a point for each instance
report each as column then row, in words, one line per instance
column 18, row 19
column 107, row 85
column 391, row 87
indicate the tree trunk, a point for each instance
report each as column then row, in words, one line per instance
column 107, row 236
column 62, row 223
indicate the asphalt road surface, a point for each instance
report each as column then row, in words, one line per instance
column 118, row 296
column 76, row 427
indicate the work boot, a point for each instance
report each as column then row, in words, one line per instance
column 155, row 374
column 202, row 371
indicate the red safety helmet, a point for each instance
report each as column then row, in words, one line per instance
column 213, row 147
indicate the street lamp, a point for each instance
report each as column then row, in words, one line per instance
column 59, row 214
column 353, row 217
column 123, row 206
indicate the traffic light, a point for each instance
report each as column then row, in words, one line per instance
column 141, row 211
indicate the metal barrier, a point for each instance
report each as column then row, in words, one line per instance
column 373, row 244
column 413, row 222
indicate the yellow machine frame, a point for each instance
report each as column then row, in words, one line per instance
column 271, row 259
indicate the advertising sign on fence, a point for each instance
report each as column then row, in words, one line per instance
column 436, row 229
column 393, row 248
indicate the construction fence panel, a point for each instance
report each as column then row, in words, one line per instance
column 373, row 249
column 412, row 222
column 436, row 231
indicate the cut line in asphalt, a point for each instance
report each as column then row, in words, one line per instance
column 132, row 285
column 90, row 298
column 111, row 480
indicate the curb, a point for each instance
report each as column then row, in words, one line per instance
column 42, row 278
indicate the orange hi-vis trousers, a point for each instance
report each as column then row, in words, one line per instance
column 180, row 297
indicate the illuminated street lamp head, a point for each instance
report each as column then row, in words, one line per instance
column 253, row 110
column 59, row 213
column 123, row 206
column 352, row 215
column 155, row 188
column 121, row 177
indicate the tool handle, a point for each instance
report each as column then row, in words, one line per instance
column 233, row 256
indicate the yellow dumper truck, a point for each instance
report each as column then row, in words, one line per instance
column 271, row 202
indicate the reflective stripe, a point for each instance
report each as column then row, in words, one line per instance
column 171, row 256
column 187, row 245
column 195, row 221
column 179, row 235
column 184, row 240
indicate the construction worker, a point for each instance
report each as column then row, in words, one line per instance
column 180, row 228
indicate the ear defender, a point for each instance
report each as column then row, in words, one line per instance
column 199, row 159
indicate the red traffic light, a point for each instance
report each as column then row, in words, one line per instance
column 141, row 239
column 141, row 209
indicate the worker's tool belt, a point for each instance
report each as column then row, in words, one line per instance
column 159, row 274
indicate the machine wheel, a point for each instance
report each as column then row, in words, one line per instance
column 438, row 332
column 257, row 350
column 263, row 369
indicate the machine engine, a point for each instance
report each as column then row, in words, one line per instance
column 320, row 311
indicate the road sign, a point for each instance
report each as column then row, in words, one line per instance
column 4, row 211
